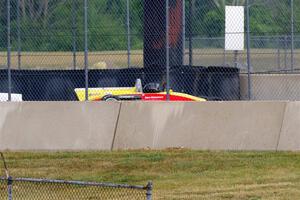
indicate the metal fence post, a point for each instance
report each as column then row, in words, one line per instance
column 224, row 57
column 8, row 177
column 74, row 27
column 248, row 52
column 19, row 34
column 292, row 35
column 183, row 29
column 190, row 32
column 9, row 187
column 278, row 53
column 128, row 33
column 149, row 191
column 235, row 58
column 8, row 50
column 285, row 52
column 86, row 49
column 167, row 50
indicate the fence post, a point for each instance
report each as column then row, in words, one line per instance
column 167, row 50
column 86, row 70
column 74, row 27
column 9, row 187
column 235, row 58
column 285, row 52
column 190, row 33
column 128, row 33
column 19, row 34
column 278, row 53
column 8, row 50
column 183, row 29
column 292, row 35
column 248, row 51
column 224, row 57
column 149, row 191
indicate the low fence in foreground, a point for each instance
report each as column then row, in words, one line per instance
column 28, row 188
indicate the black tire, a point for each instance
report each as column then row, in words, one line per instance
column 110, row 98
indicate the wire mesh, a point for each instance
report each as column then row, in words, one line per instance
column 122, row 35
column 27, row 188
column 3, row 189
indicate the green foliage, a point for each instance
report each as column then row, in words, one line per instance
column 214, row 23
column 49, row 28
column 265, row 19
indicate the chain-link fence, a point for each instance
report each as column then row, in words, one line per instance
column 50, row 48
column 34, row 188
column 28, row 188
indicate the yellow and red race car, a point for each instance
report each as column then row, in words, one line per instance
column 151, row 92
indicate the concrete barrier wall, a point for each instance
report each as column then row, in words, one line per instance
column 271, row 86
column 57, row 125
column 290, row 132
column 208, row 125
column 156, row 125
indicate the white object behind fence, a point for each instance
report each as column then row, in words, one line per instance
column 234, row 28
column 14, row 97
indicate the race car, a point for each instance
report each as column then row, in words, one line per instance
column 150, row 92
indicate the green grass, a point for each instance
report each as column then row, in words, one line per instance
column 176, row 173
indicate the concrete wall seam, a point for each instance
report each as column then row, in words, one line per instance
column 84, row 126
column 116, row 127
column 203, row 126
column 282, row 123
column 290, row 134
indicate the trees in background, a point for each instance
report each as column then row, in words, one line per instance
column 47, row 25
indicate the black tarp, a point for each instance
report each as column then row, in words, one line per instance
column 215, row 83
